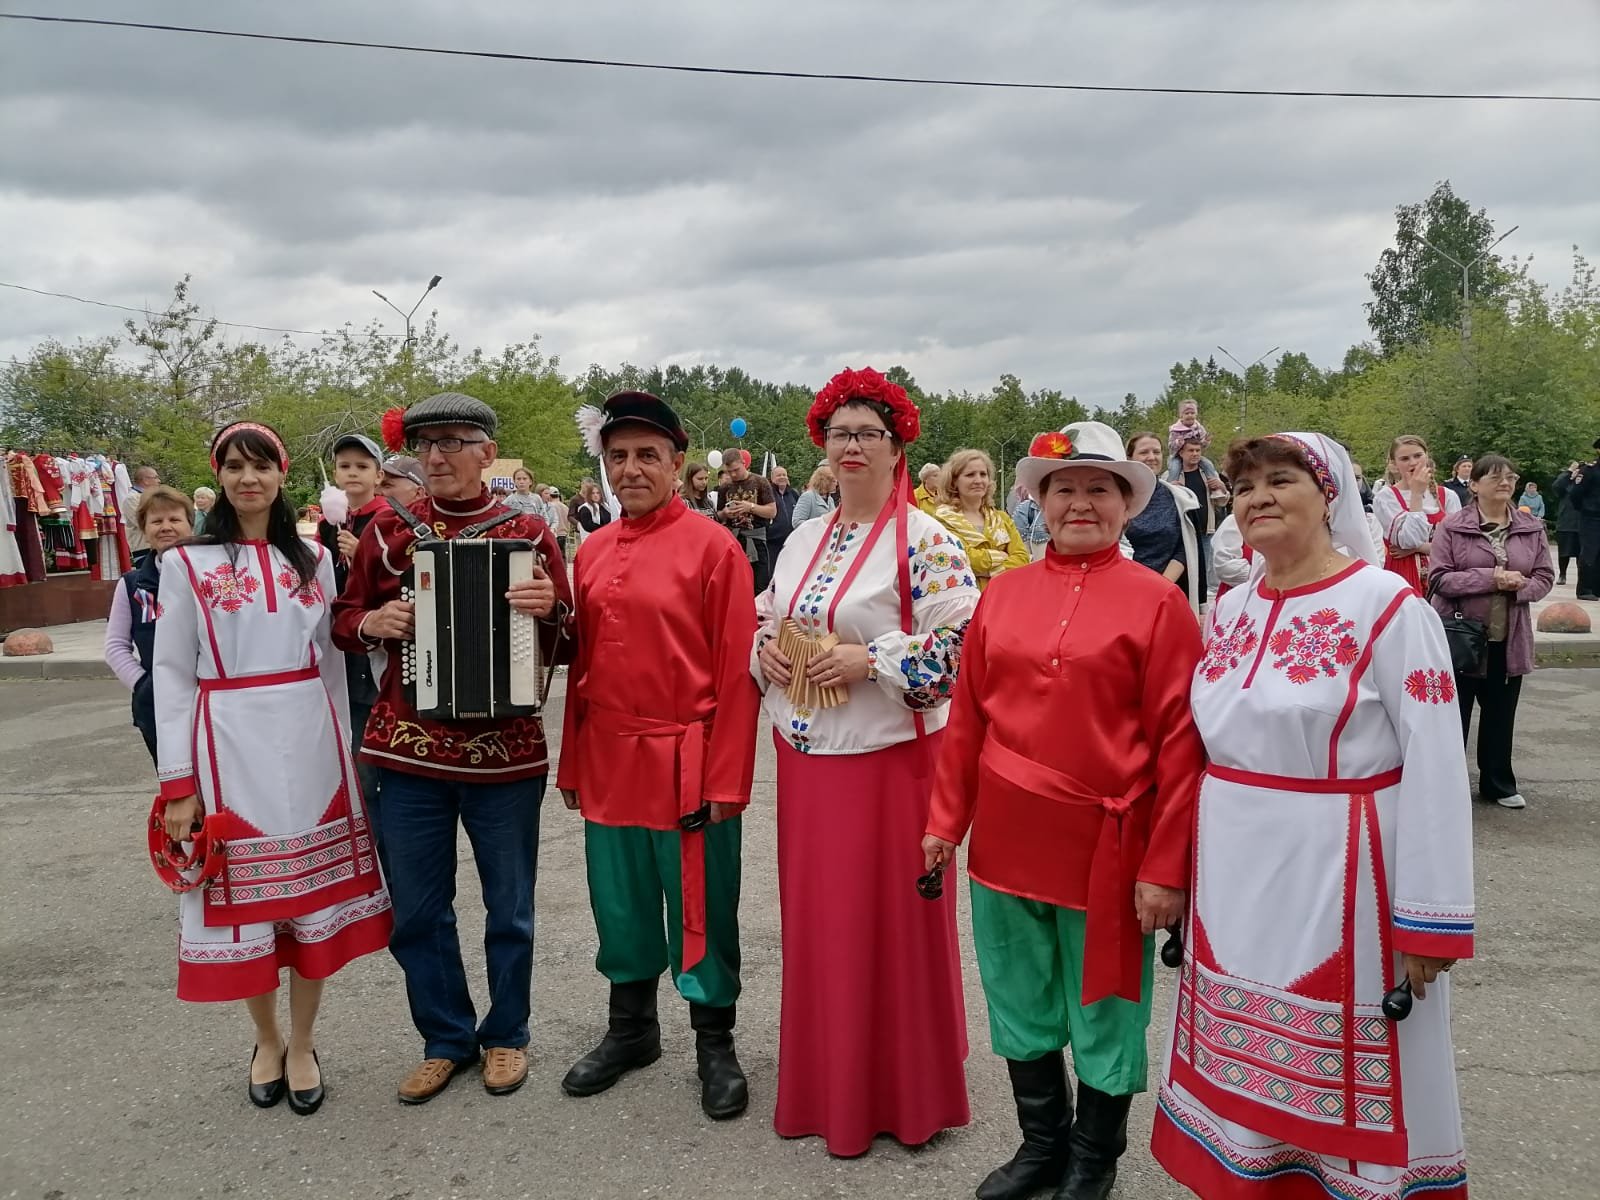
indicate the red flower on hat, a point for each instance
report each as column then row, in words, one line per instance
column 1052, row 445
column 865, row 384
column 394, row 429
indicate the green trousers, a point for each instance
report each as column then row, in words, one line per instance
column 1030, row 956
column 632, row 871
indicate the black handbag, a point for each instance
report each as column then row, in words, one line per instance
column 1468, row 639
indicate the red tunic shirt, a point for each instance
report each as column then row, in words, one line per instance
column 490, row 751
column 661, row 708
column 1071, row 752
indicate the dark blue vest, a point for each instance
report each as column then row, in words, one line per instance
column 142, row 584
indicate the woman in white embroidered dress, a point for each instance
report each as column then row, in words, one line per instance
column 252, row 735
column 873, row 1031
column 1333, row 859
column 1408, row 509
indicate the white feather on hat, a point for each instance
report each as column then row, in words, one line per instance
column 590, row 419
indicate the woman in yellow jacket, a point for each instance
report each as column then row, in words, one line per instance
column 968, row 510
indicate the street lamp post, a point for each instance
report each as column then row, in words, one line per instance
column 1244, row 377
column 406, row 316
column 1466, row 278
column 1005, row 457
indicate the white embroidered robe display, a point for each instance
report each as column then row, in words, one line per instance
column 252, row 716
column 1334, row 834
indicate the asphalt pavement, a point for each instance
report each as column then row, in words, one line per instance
column 114, row 1088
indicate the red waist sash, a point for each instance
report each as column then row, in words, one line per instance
column 1371, row 785
column 235, row 683
column 689, row 740
column 1113, row 943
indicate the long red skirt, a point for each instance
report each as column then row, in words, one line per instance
column 873, row 1036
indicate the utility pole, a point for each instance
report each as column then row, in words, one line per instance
column 1466, row 279
column 1244, row 377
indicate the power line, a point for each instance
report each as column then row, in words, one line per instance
column 833, row 76
column 153, row 313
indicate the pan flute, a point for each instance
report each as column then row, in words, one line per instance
column 801, row 648
column 474, row 656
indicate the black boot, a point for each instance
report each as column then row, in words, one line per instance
column 723, row 1090
column 1044, row 1111
column 632, row 1041
column 1099, row 1137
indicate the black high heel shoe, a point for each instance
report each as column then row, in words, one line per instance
column 307, row 1102
column 266, row 1095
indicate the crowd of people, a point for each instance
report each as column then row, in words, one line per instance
column 1224, row 703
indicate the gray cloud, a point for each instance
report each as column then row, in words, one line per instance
column 1080, row 241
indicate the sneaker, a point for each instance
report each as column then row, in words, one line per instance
column 1514, row 800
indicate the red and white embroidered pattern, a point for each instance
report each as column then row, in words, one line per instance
column 1430, row 686
column 1225, row 651
column 308, row 594
column 228, row 589
column 1316, row 645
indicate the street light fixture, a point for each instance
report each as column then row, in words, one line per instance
column 1466, row 277
column 432, row 283
column 1244, row 375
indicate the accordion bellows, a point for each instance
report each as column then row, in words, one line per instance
column 474, row 656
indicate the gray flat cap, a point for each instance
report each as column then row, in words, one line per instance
column 450, row 408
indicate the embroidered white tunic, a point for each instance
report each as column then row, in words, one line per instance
column 916, row 671
column 1333, row 835
column 252, row 716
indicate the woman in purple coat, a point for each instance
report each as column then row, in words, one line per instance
column 1490, row 561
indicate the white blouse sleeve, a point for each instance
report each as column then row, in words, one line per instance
column 1227, row 549
column 1404, row 530
column 330, row 662
column 1432, row 885
column 174, row 672
column 920, row 668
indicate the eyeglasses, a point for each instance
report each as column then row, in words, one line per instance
column 931, row 885
column 865, row 438
column 445, row 445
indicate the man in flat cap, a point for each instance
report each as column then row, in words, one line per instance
column 487, row 774
column 658, row 751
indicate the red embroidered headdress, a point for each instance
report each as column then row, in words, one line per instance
column 265, row 431
column 905, row 419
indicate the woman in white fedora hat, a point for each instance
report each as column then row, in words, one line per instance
column 1080, row 803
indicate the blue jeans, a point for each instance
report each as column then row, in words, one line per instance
column 418, row 834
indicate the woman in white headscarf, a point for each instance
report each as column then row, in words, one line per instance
column 1332, row 862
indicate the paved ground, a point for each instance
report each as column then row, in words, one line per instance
column 116, row 1089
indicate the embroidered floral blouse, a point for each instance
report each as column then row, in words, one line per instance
column 997, row 547
column 916, row 671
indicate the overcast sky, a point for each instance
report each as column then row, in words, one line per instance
column 1082, row 242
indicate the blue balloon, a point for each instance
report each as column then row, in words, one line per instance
column 738, row 427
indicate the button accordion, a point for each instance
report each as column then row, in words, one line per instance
column 473, row 656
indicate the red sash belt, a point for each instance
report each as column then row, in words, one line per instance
column 234, row 683
column 1113, row 945
column 690, row 752
column 1322, row 787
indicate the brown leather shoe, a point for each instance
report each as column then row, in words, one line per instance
column 429, row 1079
column 505, row 1069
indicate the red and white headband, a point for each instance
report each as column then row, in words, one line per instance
column 267, row 432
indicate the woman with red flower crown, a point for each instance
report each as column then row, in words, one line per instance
column 876, row 597
column 1332, row 862
column 1072, row 758
column 253, row 738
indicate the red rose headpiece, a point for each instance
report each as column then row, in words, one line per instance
column 905, row 419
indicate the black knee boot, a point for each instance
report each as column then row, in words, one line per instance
column 633, row 1040
column 1099, row 1136
column 723, row 1090
column 1044, row 1111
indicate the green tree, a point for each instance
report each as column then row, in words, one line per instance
column 1415, row 288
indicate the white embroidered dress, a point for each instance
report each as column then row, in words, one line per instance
column 1333, row 835
column 252, row 715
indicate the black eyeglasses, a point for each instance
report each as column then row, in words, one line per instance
column 931, row 885
column 445, row 445
column 862, row 437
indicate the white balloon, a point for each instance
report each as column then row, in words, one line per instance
column 714, row 460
